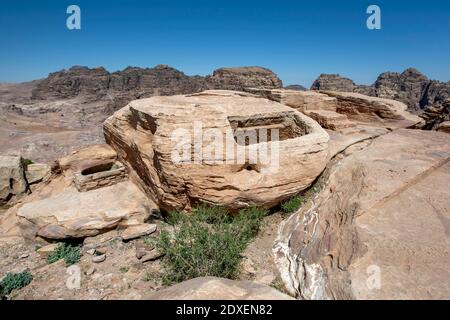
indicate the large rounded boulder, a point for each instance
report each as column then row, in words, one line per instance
column 218, row 147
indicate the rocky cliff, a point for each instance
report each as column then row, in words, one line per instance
column 244, row 77
column 378, row 229
column 333, row 82
column 410, row 87
column 134, row 83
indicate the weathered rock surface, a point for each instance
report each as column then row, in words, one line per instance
column 343, row 111
column 73, row 214
column 99, row 258
column 435, row 115
column 57, row 210
column 137, row 231
column 212, row 288
column 143, row 136
column 46, row 250
column 92, row 156
column 379, row 228
column 363, row 108
column 151, row 255
column 12, row 178
column 37, row 172
column 444, row 127
column 91, row 244
column 318, row 106
column 410, row 87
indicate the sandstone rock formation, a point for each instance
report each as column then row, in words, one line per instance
column 60, row 208
column 12, row 178
column 444, row 127
column 372, row 109
column 435, row 115
column 342, row 111
column 37, row 172
column 333, row 82
column 410, row 87
column 379, row 228
column 92, row 156
column 143, row 136
column 318, row 106
column 73, row 214
column 238, row 79
column 133, row 83
column 212, row 288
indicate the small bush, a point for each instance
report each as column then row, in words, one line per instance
column 292, row 205
column 209, row 242
column 151, row 277
column 124, row 269
column 14, row 281
column 211, row 214
column 278, row 284
column 174, row 217
column 70, row 254
column 27, row 161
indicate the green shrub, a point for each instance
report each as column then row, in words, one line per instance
column 14, row 281
column 208, row 242
column 70, row 254
column 174, row 217
column 27, row 161
column 202, row 213
column 292, row 205
column 124, row 269
column 211, row 214
column 248, row 222
column 278, row 284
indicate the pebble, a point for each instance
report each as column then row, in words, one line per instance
column 91, row 251
column 101, row 251
column 99, row 259
column 140, row 252
column 90, row 271
column 46, row 250
column 152, row 255
column 24, row 255
column 138, row 231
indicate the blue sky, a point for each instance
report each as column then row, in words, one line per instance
column 296, row 39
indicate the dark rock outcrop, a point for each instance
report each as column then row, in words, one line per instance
column 297, row 87
column 435, row 115
column 133, row 83
column 333, row 82
column 410, row 87
column 243, row 77
column 98, row 83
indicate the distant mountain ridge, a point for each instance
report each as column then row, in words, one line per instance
column 118, row 88
column 410, row 87
column 134, row 82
